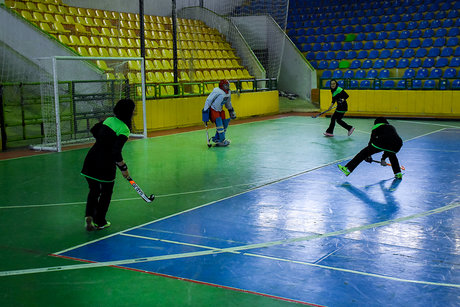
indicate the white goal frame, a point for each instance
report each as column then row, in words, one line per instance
column 54, row 60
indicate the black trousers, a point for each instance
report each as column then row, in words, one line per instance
column 337, row 117
column 369, row 151
column 99, row 197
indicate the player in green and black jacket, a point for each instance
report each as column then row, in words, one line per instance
column 340, row 97
column 101, row 161
column 383, row 138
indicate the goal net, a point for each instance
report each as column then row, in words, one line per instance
column 77, row 92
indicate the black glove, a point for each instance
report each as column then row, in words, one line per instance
column 368, row 159
column 232, row 114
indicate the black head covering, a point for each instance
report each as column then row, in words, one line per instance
column 380, row 120
column 330, row 85
column 124, row 111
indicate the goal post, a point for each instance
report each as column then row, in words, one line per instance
column 76, row 92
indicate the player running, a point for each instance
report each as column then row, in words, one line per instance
column 213, row 110
column 340, row 96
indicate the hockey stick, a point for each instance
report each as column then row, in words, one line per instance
column 388, row 164
column 207, row 135
column 318, row 115
column 139, row 191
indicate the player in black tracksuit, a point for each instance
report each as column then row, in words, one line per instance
column 383, row 138
column 340, row 97
column 101, row 161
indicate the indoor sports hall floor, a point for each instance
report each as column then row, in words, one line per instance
column 268, row 221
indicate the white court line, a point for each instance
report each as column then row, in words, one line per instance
column 423, row 123
column 239, row 249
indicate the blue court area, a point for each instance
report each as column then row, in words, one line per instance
column 318, row 237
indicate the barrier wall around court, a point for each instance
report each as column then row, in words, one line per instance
column 439, row 104
column 183, row 112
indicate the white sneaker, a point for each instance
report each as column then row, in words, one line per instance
column 223, row 143
column 328, row 134
column 351, row 131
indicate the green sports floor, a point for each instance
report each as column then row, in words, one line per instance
column 42, row 204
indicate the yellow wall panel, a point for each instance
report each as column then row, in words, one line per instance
column 399, row 102
column 183, row 112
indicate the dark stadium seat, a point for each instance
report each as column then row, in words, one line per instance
column 436, row 73
column 365, row 84
column 453, row 32
column 416, row 83
column 428, row 62
column 391, row 44
column 387, row 84
column 456, row 84
column 429, row 84
column 439, row 42
column 360, row 74
column 351, row 55
column 450, row 73
column 384, row 74
column 434, row 52
column 326, row 74
column 421, row 53
column 372, row 73
column 378, row 64
column 440, row 32
column 415, row 63
column 381, row 45
column 454, row 62
column 385, row 54
column 447, row 52
column 422, row 73
column 362, row 54
column 341, row 55
column 330, row 55
column 322, row 65
column 404, row 34
column 373, row 54
column 401, row 84
column 366, row 64
column 427, row 42
column 452, row 42
column 349, row 74
column 333, row 65
column 408, row 53
column 355, row 64
column 353, row 84
column 403, row 43
column 391, row 63
column 442, row 62
column 337, row 74
column 403, row 63
column 409, row 73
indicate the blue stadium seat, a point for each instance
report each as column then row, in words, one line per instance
column 347, row 46
column 428, row 63
column 415, row 63
column 310, row 56
column 442, row 62
column 336, row 46
column 373, row 54
column 385, row 54
column 379, row 45
column 421, row 53
column 368, row 45
column 355, row 64
column 382, row 36
column 316, row 47
column 417, row 16
column 333, row 65
column 351, row 55
column 408, row 53
column 447, row 23
column 322, row 65
column 390, row 27
column 453, row 32
column 416, row 83
column 325, row 47
column 366, row 64
column 427, row 42
column 436, row 73
column 401, row 84
column 415, row 43
column 401, row 26
column 360, row 74
column 443, row 84
column 328, row 84
column 388, row 84
column 384, row 74
column 348, row 28
column 397, row 53
column 422, row 73
column 360, row 36
column 439, row 42
column 457, row 51
column 320, row 56
column 409, row 73
column 423, row 24
column 406, row 17
column 450, row 73
column 372, row 73
column 339, row 37
column 379, row 27
column 349, row 74
column 353, row 84
column 311, row 39
column 306, row 48
column 452, row 42
column 378, row 64
column 411, row 25
column 330, row 55
column 320, row 39
column 391, row 63
column 416, row 34
column 374, row 20
column 456, row 84
column 337, row 74
column 357, row 46
column 340, row 55
column 436, row 23
column 447, row 52
column 404, row 34
column 429, row 84
column 369, row 28
column 365, row 84
column 403, row 43
column 440, row 32
column 434, row 52
column 454, row 62
column 391, row 44
column 326, row 74
column 393, row 35
column 362, row 54
column 453, row 14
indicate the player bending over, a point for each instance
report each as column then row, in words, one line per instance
column 383, row 138
column 213, row 110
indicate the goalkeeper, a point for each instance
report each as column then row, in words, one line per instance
column 102, row 160
column 213, row 111
column 383, row 138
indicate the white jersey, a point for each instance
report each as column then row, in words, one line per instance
column 217, row 99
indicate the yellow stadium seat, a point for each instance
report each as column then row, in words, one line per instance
column 82, row 20
column 124, row 24
column 60, row 19
column 104, row 52
column 169, row 76
column 73, row 11
column 81, row 11
column 122, row 43
column 123, row 53
column 123, row 33
column 49, row 18
column 74, row 40
column 46, row 27
column 207, row 76
column 227, row 74
column 166, row 64
column 132, row 77
column 114, row 42
column 184, row 76
column 110, row 76
column 181, row 64
column 204, row 64
column 214, row 75
column 133, row 43
column 149, row 54
column 59, row 28
column 207, row 54
column 105, row 32
column 221, row 63
column 213, row 54
column 13, row 4
column 149, row 65
column 211, row 64
column 208, row 88
column 132, row 34
column 233, row 74
column 247, row 85
column 134, row 65
column 166, row 53
column 93, row 52
column 64, row 39
column 38, row 17
column 105, row 41
column 160, row 77
column 90, row 13
column 95, row 41
column 232, row 86
column 151, row 90
column 246, row 74
column 132, row 53
column 63, row 9
column 199, row 75
column 107, row 23
column 81, row 29
column 82, row 51
column 98, row 22
column 99, row 14
column 84, row 40
column 221, row 75
column 31, row 6
column 103, row 65
column 150, row 76
column 157, row 65
column 123, row 16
